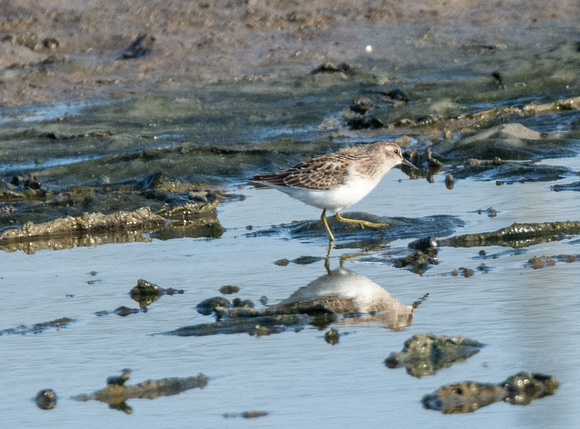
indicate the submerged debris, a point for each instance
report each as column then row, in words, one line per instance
column 425, row 354
column 257, row 324
column 117, row 393
column 538, row 262
column 38, row 327
column 461, row 271
column 468, row 396
column 122, row 311
column 490, row 212
column 301, row 260
column 246, row 414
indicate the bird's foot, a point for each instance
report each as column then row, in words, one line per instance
column 362, row 223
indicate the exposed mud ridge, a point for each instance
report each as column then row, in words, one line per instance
column 428, row 116
column 516, row 235
column 182, row 209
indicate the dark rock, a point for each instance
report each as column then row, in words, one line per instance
column 523, row 387
column 145, row 288
column 125, row 311
column 428, row 245
column 229, row 289
column 139, row 47
column 332, row 68
column 207, row 306
column 331, row 336
column 246, row 414
column 26, row 181
column 46, row 399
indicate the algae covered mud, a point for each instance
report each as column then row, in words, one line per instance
column 133, row 243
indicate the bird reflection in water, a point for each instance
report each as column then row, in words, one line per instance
column 357, row 298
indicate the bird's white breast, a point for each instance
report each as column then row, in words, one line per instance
column 336, row 199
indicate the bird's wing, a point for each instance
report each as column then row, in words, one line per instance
column 321, row 173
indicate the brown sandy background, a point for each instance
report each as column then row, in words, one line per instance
column 65, row 49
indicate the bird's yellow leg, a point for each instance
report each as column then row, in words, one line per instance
column 325, row 223
column 362, row 223
column 327, row 259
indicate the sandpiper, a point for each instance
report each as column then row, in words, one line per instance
column 338, row 180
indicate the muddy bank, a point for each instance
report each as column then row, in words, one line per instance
column 64, row 50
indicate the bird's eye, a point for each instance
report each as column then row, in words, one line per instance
column 397, row 151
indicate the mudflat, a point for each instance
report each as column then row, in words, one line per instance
column 67, row 50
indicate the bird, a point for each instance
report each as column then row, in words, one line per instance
column 338, row 180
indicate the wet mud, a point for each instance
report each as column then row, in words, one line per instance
column 425, row 354
column 102, row 142
column 516, row 235
column 116, row 393
column 38, row 328
column 467, row 397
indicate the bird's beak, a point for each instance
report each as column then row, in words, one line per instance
column 408, row 164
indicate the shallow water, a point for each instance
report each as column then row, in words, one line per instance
column 527, row 318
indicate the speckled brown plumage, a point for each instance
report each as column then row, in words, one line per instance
column 328, row 171
column 338, row 180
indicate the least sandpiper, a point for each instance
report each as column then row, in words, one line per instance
column 338, row 180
